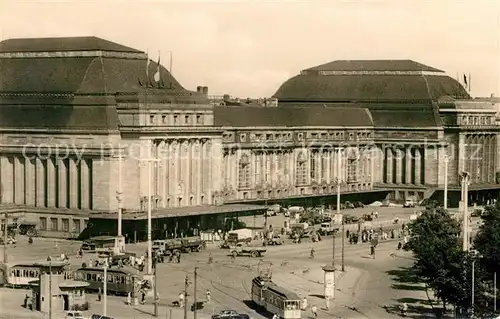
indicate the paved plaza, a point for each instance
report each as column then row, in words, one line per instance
column 362, row 290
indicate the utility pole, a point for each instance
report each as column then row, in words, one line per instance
column 186, row 283
column 154, row 290
column 5, row 225
column 194, row 293
column 445, row 200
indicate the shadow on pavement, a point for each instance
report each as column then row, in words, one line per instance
column 317, row 296
column 407, row 287
column 404, row 275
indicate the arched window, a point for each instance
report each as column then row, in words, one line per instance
column 301, row 170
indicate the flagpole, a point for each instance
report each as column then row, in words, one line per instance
column 170, row 68
column 469, row 82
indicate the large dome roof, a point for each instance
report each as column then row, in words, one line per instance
column 370, row 81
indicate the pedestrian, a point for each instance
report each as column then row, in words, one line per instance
column 275, row 316
column 129, row 299
column 99, row 294
column 303, row 306
column 314, row 311
column 347, row 233
column 209, row 296
column 312, row 253
column 179, row 258
column 181, row 300
column 143, row 297
column 210, row 258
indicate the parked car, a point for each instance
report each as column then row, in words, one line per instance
column 349, row 205
column 275, row 240
column 349, row 219
column 74, row 315
column 230, row 314
column 409, row 203
column 359, row 204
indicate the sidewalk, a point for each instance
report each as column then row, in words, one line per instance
column 308, row 281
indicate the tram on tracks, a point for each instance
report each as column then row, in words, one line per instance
column 120, row 281
column 20, row 275
column 275, row 299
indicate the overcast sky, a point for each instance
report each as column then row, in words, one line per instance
column 248, row 48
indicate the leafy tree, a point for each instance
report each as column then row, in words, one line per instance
column 487, row 240
column 439, row 260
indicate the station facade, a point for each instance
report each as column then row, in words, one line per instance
column 88, row 126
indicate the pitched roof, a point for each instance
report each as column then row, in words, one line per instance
column 361, row 88
column 373, row 65
column 62, row 44
column 243, row 116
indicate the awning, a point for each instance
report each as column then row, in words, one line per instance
column 182, row 211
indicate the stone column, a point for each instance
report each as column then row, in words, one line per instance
column 164, row 173
column 408, row 165
column 7, row 179
column 199, row 172
column 40, row 183
column 418, row 166
column 51, row 183
column 399, row 166
column 390, row 163
column 30, row 174
column 85, row 183
column 19, row 190
column 62, row 175
column 73, row 180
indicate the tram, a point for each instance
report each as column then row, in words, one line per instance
column 119, row 282
column 275, row 299
column 20, row 275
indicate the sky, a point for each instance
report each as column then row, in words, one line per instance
column 249, row 48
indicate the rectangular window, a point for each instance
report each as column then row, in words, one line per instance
column 54, row 224
column 244, row 176
column 268, row 167
column 164, row 119
column 301, row 173
column 176, row 119
column 352, row 170
column 186, row 119
column 43, row 223
column 151, row 119
column 65, row 224
column 312, row 162
column 198, row 119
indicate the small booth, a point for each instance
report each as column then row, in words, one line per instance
column 53, row 289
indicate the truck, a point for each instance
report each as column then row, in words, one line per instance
column 327, row 229
column 240, row 235
column 194, row 243
column 168, row 246
column 241, row 249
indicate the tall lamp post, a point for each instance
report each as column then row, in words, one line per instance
column 465, row 195
column 105, row 289
column 445, row 199
column 119, row 198
column 150, row 245
column 50, row 286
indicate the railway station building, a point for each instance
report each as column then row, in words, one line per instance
column 88, row 126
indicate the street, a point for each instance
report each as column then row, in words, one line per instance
column 361, row 291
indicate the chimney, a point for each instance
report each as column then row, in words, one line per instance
column 205, row 90
column 199, row 89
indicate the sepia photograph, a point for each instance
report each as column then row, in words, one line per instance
column 249, row 159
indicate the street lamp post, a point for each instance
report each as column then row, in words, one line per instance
column 5, row 237
column 465, row 195
column 105, row 289
column 150, row 245
column 445, row 199
column 50, row 286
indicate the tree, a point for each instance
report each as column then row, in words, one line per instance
column 439, row 260
column 487, row 240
